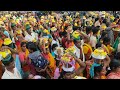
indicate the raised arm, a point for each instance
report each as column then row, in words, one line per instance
column 68, row 35
column 84, row 35
column 12, row 50
column 107, row 61
column 81, row 68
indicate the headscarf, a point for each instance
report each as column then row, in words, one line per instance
column 92, row 69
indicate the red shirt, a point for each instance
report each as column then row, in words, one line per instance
column 113, row 75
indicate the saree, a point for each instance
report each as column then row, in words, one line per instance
column 24, row 56
column 87, row 48
column 76, row 67
column 18, row 46
column 88, row 66
column 52, row 62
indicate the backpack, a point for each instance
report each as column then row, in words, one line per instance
column 40, row 62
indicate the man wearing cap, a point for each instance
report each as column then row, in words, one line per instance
column 11, row 71
column 30, row 37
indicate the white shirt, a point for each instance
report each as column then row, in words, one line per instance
column 55, row 42
column 97, row 23
column 13, row 40
column 93, row 41
column 14, row 17
column 77, row 53
column 12, row 34
column 8, row 75
column 31, row 37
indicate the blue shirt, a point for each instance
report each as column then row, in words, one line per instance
column 53, row 54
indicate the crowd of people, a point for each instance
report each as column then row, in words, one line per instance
column 59, row 45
